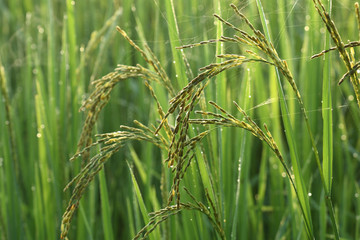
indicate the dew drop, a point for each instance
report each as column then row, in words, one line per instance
column 309, row 194
column 174, row 62
column 356, row 195
column 40, row 29
column 33, row 188
column 28, row 15
column 38, row 135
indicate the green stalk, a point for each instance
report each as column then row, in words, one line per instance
column 220, row 96
column 63, row 85
column 86, row 222
column 326, row 175
column 51, row 67
column 145, row 214
column 38, row 205
column 105, row 209
column 326, row 172
column 241, row 205
column 56, row 165
column 130, row 214
column 174, row 37
column 12, row 212
column 9, row 119
column 46, row 177
column 327, row 118
column 286, row 48
column 76, row 87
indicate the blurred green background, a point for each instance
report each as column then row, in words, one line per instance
column 51, row 50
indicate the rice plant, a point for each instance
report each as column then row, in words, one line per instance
column 238, row 125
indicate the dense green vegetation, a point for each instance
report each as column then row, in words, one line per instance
column 246, row 137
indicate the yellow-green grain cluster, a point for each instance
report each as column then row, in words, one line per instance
column 350, row 65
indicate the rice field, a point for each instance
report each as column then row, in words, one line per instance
column 186, row 119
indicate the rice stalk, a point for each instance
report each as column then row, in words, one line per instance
column 142, row 206
column 103, row 87
column 9, row 120
column 10, row 192
column 162, row 215
column 340, row 46
column 112, row 142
